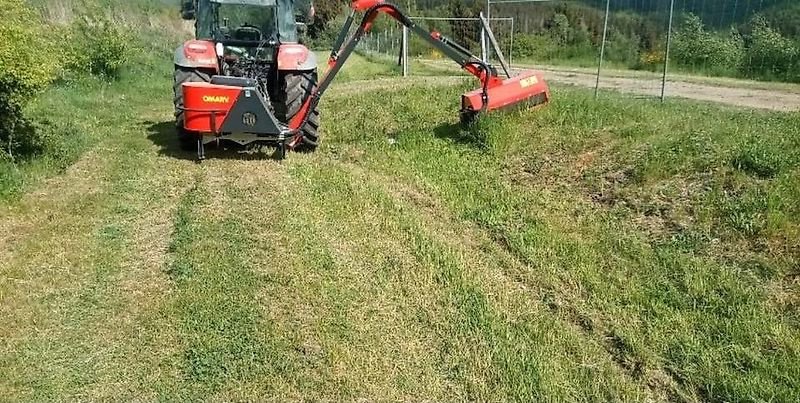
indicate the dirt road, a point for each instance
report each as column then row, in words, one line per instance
column 743, row 93
column 783, row 101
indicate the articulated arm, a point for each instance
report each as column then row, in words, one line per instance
column 345, row 46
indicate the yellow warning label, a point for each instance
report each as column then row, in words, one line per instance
column 216, row 99
column 527, row 82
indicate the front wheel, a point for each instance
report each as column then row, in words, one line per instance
column 296, row 87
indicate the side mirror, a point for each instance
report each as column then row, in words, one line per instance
column 187, row 10
column 312, row 13
column 304, row 14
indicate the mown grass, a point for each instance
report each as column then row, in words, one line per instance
column 609, row 249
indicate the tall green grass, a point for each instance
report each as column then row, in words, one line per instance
column 667, row 233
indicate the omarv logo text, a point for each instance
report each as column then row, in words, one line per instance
column 216, row 99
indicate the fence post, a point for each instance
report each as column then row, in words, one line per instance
column 487, row 49
column 404, row 51
column 602, row 49
column 484, row 54
column 511, row 47
column 666, row 52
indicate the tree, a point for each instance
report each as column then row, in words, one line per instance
column 768, row 52
column 325, row 12
column 465, row 33
column 714, row 52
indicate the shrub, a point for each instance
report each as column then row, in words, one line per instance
column 27, row 65
column 538, row 47
column 101, row 48
column 560, row 29
column 622, row 48
column 769, row 54
column 652, row 60
column 695, row 47
column 579, row 44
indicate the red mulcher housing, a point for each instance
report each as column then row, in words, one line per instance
column 229, row 106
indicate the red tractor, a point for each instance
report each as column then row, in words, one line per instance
column 247, row 80
column 248, row 48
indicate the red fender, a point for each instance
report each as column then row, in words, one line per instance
column 292, row 56
column 198, row 54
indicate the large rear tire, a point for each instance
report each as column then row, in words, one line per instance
column 296, row 87
column 187, row 139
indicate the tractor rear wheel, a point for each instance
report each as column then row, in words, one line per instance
column 187, row 139
column 296, row 87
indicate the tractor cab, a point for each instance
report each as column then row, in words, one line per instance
column 252, row 21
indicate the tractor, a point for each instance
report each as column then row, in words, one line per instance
column 253, row 45
column 246, row 79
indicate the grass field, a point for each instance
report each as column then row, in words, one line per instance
column 610, row 249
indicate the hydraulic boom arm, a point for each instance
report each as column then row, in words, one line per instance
column 494, row 93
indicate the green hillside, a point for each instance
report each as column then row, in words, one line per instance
column 718, row 12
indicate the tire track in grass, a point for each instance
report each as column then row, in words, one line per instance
column 307, row 290
column 492, row 310
column 501, row 256
column 357, row 294
column 227, row 345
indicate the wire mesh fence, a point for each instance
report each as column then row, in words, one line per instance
column 387, row 41
column 748, row 39
column 607, row 42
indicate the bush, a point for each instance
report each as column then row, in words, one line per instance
column 560, row 40
column 537, row 47
column 770, row 54
column 622, row 48
column 695, row 47
column 652, row 60
column 27, row 65
column 100, row 47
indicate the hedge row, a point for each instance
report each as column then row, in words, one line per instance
column 34, row 54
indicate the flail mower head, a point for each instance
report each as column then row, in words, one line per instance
column 523, row 90
column 526, row 90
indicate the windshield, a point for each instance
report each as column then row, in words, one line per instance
column 221, row 17
column 246, row 22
